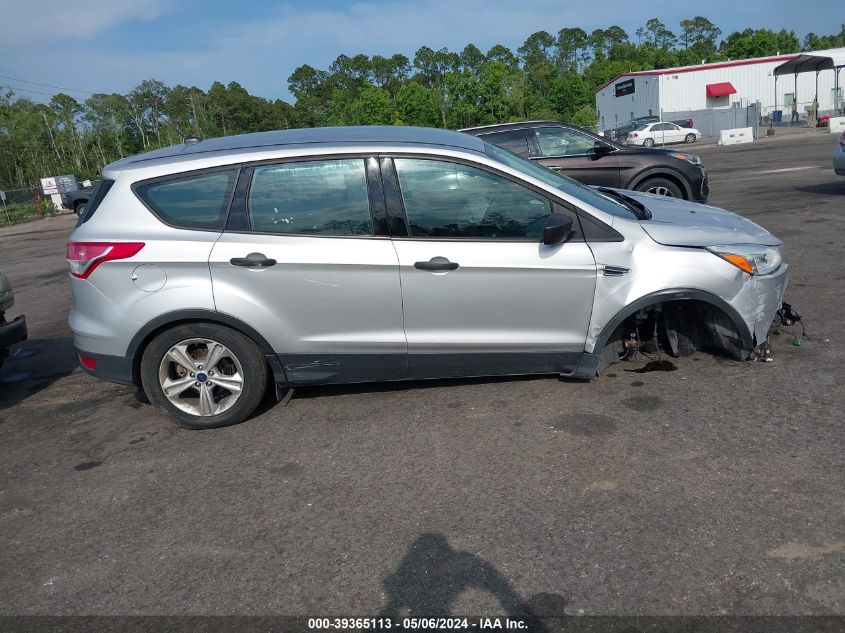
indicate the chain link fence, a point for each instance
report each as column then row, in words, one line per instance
column 711, row 122
column 23, row 205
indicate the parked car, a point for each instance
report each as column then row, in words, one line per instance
column 76, row 200
column 333, row 255
column 663, row 133
column 839, row 156
column 11, row 332
column 596, row 161
column 620, row 133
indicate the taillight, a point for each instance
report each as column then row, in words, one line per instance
column 84, row 257
column 88, row 362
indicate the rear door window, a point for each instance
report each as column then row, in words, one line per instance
column 515, row 141
column 319, row 197
column 197, row 201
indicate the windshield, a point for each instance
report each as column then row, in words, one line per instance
column 566, row 184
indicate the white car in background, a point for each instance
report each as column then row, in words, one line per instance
column 661, row 133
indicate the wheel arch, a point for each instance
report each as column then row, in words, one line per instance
column 590, row 364
column 662, row 172
column 163, row 322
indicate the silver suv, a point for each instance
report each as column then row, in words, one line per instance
column 207, row 271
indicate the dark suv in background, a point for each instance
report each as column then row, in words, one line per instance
column 598, row 161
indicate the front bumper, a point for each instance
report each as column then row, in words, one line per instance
column 12, row 332
column 759, row 300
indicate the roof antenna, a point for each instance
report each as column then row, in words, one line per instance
column 191, row 140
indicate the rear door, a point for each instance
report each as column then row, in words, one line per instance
column 482, row 295
column 674, row 133
column 306, row 260
column 573, row 153
column 658, row 132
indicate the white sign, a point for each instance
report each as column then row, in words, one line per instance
column 2, row 195
column 86, row 183
column 48, row 186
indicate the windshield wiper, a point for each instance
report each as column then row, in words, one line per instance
column 632, row 204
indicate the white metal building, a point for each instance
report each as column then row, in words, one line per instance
column 672, row 92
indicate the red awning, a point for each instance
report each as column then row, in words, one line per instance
column 721, row 90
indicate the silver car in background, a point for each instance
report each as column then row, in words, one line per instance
column 205, row 272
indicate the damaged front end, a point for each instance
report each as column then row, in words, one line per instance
column 728, row 311
column 688, row 321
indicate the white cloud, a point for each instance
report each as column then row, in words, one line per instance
column 42, row 20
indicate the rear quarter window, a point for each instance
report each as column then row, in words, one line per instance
column 195, row 201
column 97, row 196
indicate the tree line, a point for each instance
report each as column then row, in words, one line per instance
column 552, row 75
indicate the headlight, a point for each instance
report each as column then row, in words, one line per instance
column 690, row 158
column 752, row 258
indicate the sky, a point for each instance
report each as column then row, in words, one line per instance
column 112, row 45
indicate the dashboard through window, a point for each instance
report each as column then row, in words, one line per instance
column 451, row 200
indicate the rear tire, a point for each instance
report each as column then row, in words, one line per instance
column 178, row 359
column 649, row 142
column 79, row 209
column 660, row 187
column 689, row 138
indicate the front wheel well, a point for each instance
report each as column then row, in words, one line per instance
column 664, row 175
column 677, row 325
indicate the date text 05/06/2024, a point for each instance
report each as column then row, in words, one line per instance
column 418, row 624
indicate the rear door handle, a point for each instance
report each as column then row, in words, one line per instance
column 258, row 260
column 436, row 264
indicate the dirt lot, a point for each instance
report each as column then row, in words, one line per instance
column 718, row 488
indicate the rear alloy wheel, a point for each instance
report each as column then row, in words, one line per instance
column 80, row 209
column 649, row 142
column 689, row 138
column 204, row 375
column 660, row 187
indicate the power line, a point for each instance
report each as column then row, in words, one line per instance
column 46, row 94
column 35, row 83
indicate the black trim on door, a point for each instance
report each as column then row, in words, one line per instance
column 237, row 220
column 393, row 198
column 378, row 206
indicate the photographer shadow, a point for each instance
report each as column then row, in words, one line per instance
column 432, row 576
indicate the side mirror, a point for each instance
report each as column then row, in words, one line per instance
column 557, row 230
column 601, row 149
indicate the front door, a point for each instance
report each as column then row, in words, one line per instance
column 305, row 267
column 573, row 153
column 481, row 293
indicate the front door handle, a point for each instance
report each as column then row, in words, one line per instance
column 258, row 260
column 436, row 264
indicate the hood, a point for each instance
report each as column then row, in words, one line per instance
column 682, row 223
